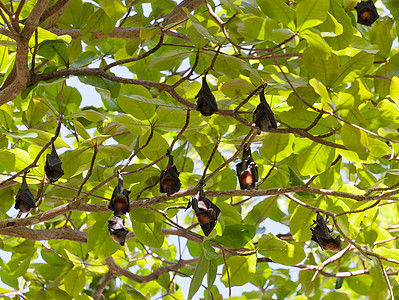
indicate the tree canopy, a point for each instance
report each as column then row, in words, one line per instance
column 327, row 173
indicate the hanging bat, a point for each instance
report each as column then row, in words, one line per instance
column 207, row 213
column 206, row 102
column 366, row 12
column 117, row 230
column 247, row 170
column 321, row 234
column 53, row 166
column 263, row 116
column 24, row 201
column 120, row 199
column 169, row 181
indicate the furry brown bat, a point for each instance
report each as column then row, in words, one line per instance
column 169, row 181
column 120, row 199
column 24, row 201
column 117, row 230
column 53, row 166
column 206, row 102
column 207, row 213
column 247, row 170
column 366, row 13
column 321, row 234
column 263, row 116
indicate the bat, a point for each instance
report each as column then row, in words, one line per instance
column 53, row 166
column 120, row 199
column 206, row 102
column 207, row 213
column 247, row 170
column 24, row 201
column 169, row 181
column 117, row 230
column 366, row 12
column 321, row 234
column 263, row 116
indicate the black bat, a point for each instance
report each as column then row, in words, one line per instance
column 321, row 234
column 207, row 213
column 120, row 199
column 117, row 230
column 53, row 166
column 24, row 201
column 206, row 102
column 263, row 116
column 366, row 12
column 247, row 170
column 169, row 181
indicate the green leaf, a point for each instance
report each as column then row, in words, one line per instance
column 50, row 49
column 201, row 29
column 300, row 222
column 138, row 109
column 144, row 215
column 354, row 139
column 356, row 67
column 394, row 89
column 278, row 10
column 113, row 8
column 90, row 115
column 317, row 44
column 326, row 71
column 157, row 146
column 280, row 251
column 241, row 270
column 75, row 161
column 81, row 130
column 380, row 34
column 236, row 236
column 315, row 160
column 99, row 242
column 199, row 273
column 99, row 20
column 6, row 116
column 148, row 33
column 149, row 234
column 310, row 13
column 115, row 151
column 37, row 109
column 101, row 83
column 75, row 281
column 277, row 146
column 295, row 180
column 342, row 40
column 211, row 275
column 135, row 126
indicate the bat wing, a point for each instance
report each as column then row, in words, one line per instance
column 239, row 168
column 161, row 189
column 254, row 170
